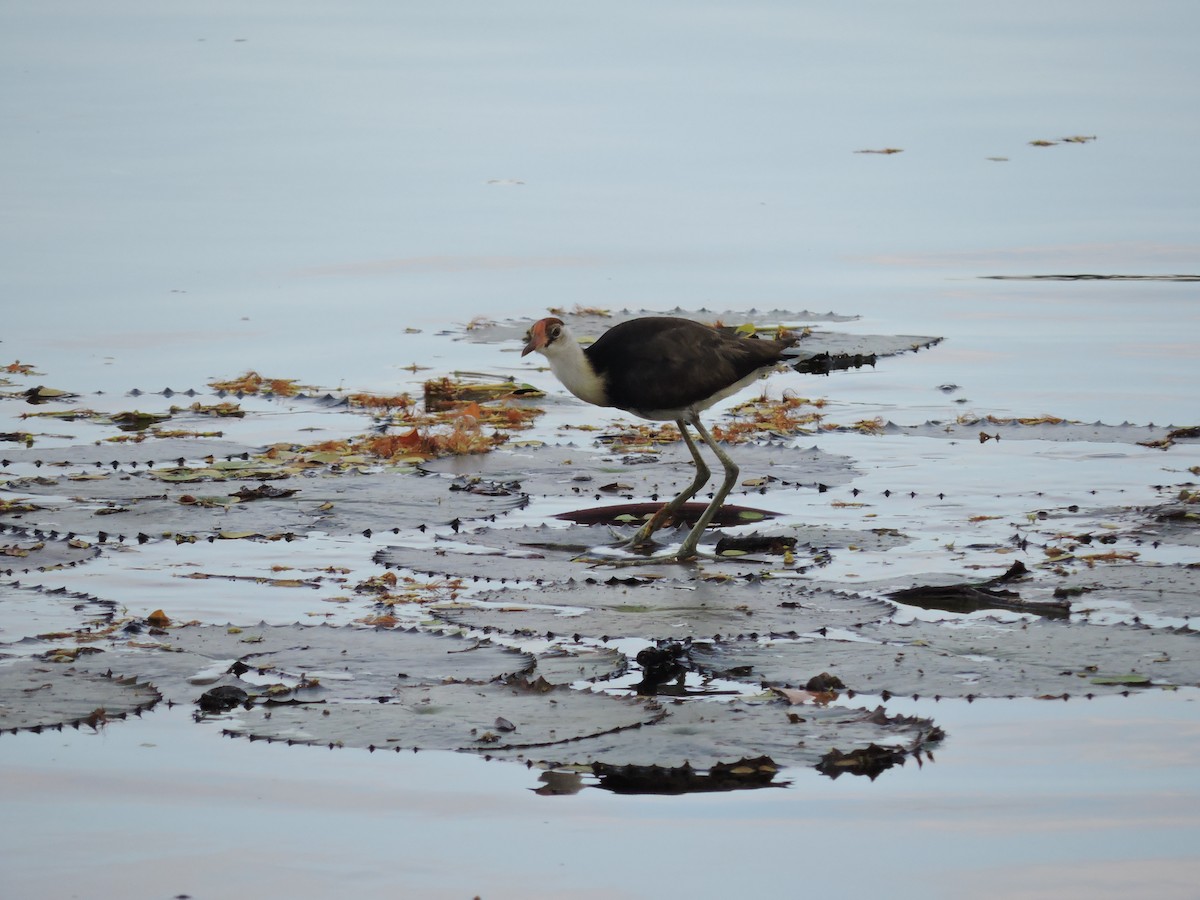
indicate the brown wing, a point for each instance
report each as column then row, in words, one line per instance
column 665, row 363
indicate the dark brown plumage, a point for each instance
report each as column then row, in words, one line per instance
column 660, row 364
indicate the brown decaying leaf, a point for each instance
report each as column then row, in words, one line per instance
column 761, row 417
column 253, row 383
column 403, row 402
column 226, row 410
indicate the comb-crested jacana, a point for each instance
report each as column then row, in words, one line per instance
column 662, row 368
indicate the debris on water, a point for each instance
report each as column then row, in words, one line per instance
column 263, row 492
column 1178, row 434
column 770, row 544
column 824, row 683
column 223, row 698
column 660, row 664
column 973, row 596
column 442, row 394
column 253, row 383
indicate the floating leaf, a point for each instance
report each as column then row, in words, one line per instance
column 452, row 717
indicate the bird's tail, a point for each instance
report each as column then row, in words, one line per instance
column 802, row 360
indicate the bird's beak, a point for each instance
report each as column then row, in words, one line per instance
column 536, row 339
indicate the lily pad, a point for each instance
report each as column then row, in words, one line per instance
column 330, row 503
column 35, row 695
column 664, row 609
column 91, row 456
column 345, row 663
column 1038, row 428
column 587, row 472
column 451, row 717
column 707, row 733
column 992, row 659
column 545, row 553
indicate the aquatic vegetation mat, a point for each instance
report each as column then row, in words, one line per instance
column 466, row 542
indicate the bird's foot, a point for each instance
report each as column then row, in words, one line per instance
column 625, row 556
column 658, row 559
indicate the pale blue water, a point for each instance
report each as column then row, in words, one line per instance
column 190, row 190
column 201, row 188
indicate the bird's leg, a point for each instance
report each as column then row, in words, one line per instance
column 688, row 548
column 668, row 510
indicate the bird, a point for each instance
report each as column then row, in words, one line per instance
column 662, row 368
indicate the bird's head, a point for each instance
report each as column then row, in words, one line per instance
column 543, row 334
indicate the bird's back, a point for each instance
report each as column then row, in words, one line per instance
column 660, row 366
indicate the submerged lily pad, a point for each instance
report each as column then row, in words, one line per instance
column 547, row 553
column 1143, row 589
column 31, row 615
column 21, row 552
column 35, row 695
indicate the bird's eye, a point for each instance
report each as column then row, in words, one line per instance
column 555, row 332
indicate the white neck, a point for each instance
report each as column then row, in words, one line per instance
column 571, row 367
